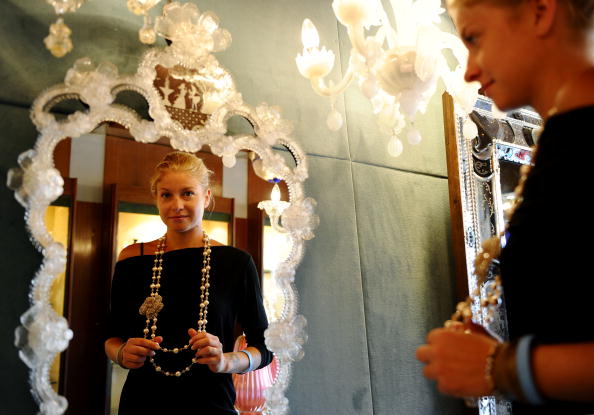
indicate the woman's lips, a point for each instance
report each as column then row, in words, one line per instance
column 486, row 86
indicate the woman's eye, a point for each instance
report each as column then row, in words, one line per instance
column 188, row 193
column 470, row 39
column 165, row 195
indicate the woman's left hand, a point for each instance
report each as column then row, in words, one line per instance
column 209, row 350
column 457, row 360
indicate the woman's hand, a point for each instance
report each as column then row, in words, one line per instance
column 136, row 350
column 209, row 350
column 457, row 359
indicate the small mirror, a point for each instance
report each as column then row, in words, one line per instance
column 482, row 174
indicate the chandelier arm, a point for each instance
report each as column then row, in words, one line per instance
column 320, row 87
column 357, row 36
column 386, row 31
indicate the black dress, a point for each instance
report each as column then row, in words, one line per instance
column 546, row 271
column 234, row 297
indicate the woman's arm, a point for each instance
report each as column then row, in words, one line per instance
column 565, row 371
column 458, row 362
column 209, row 351
column 238, row 362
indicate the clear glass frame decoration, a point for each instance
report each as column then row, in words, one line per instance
column 483, row 172
column 43, row 333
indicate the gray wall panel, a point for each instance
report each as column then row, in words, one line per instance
column 333, row 377
column 403, row 227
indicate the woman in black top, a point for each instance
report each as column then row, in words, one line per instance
column 534, row 52
column 192, row 291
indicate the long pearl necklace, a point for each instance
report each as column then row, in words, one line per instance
column 154, row 302
column 491, row 250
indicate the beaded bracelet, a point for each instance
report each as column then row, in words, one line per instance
column 120, row 355
column 251, row 359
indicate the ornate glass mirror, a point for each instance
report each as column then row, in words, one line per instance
column 197, row 82
column 483, row 173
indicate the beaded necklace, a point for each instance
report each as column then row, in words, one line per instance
column 154, row 302
column 491, row 250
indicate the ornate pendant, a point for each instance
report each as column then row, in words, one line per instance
column 151, row 306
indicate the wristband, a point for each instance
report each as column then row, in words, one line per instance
column 524, row 365
column 251, row 359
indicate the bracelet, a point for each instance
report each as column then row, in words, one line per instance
column 251, row 359
column 524, row 365
column 120, row 355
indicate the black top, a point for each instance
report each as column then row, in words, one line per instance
column 234, row 297
column 545, row 269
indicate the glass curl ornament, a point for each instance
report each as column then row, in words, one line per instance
column 397, row 67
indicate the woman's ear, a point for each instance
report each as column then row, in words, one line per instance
column 544, row 13
column 207, row 198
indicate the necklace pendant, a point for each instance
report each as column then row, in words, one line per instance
column 151, row 306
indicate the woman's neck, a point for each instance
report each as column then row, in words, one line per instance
column 577, row 92
column 189, row 239
column 564, row 80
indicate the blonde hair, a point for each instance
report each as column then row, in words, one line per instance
column 180, row 161
column 580, row 12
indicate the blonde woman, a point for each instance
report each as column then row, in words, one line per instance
column 176, row 301
column 534, row 52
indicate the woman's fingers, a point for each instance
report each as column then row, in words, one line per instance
column 424, row 353
column 201, row 340
column 137, row 349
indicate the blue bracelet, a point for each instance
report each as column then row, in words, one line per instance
column 524, row 365
column 251, row 359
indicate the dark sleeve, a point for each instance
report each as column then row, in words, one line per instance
column 252, row 315
column 117, row 310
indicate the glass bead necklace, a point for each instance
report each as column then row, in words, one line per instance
column 154, row 302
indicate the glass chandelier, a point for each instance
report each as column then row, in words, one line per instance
column 397, row 68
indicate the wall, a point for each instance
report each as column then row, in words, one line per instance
column 377, row 276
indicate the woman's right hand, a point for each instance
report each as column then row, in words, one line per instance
column 136, row 350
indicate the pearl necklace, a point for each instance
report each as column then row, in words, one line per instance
column 154, row 303
column 491, row 250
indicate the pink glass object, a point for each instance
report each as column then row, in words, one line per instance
column 250, row 386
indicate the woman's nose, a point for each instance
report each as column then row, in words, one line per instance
column 178, row 203
column 472, row 70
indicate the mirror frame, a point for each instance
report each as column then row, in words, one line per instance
column 43, row 334
column 474, row 186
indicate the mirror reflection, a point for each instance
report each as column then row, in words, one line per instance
column 109, row 173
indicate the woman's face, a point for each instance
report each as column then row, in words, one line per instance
column 181, row 201
column 501, row 53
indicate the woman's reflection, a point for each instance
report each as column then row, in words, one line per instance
column 191, row 291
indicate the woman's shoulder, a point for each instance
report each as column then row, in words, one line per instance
column 231, row 252
column 137, row 250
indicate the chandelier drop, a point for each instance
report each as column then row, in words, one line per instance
column 397, row 68
column 147, row 33
column 58, row 41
